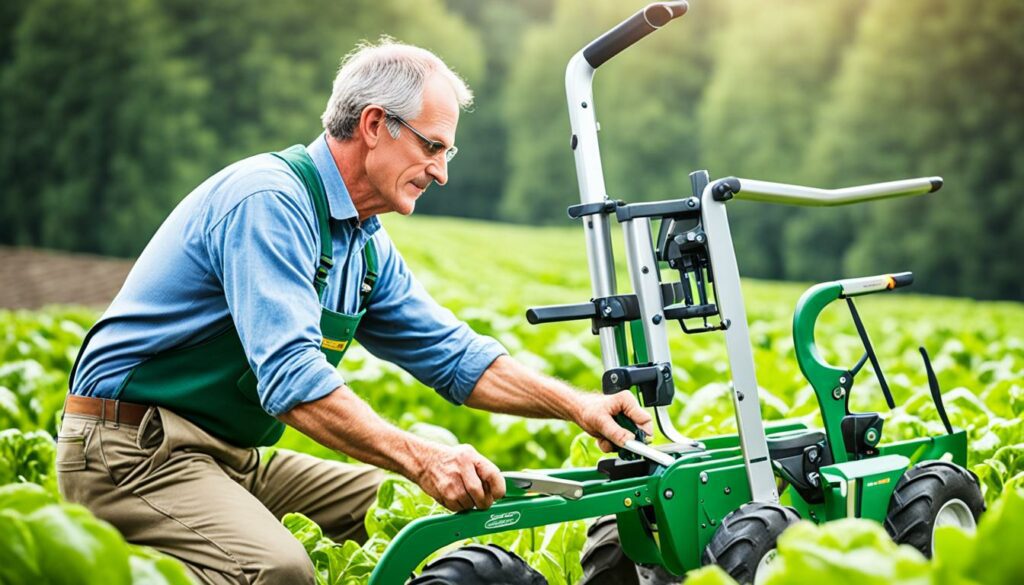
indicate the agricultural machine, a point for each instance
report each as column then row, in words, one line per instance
column 674, row 505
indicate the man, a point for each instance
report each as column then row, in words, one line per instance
column 235, row 315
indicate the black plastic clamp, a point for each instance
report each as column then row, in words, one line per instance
column 601, row 207
column 724, row 189
column 653, row 380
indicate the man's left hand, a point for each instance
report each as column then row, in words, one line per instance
column 597, row 417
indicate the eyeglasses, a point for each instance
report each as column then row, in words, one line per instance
column 433, row 146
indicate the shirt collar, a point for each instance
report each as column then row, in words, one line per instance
column 338, row 197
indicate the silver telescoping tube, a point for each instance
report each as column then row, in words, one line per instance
column 769, row 192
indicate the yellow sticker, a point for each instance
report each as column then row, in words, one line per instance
column 333, row 345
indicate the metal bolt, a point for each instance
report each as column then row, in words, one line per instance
column 668, row 494
column 842, row 379
column 739, row 396
column 727, row 490
column 838, row 392
column 614, row 378
column 713, row 522
column 703, row 477
column 628, row 502
column 644, row 269
column 637, row 493
column 584, row 104
column 691, row 202
column 703, row 525
column 656, row 319
column 607, row 311
column 700, row 238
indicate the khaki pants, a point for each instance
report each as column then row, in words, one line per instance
column 169, row 485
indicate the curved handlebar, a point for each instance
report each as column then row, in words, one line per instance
column 798, row 195
column 644, row 22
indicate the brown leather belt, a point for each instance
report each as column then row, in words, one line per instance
column 114, row 411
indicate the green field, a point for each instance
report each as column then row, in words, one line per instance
column 488, row 274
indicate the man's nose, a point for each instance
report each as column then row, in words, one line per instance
column 438, row 170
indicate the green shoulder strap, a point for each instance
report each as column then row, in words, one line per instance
column 302, row 165
column 370, row 256
column 300, row 162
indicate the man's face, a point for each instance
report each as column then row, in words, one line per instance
column 400, row 169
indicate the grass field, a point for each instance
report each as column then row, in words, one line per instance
column 488, row 274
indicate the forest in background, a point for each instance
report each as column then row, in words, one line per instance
column 113, row 110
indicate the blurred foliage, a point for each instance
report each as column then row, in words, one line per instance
column 114, row 110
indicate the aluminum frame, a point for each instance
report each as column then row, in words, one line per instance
column 646, row 278
column 579, row 80
column 729, row 297
column 769, row 192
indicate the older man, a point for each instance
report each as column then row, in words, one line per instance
column 233, row 321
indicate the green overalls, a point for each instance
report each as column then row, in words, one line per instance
column 211, row 384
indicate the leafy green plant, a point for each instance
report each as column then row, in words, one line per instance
column 45, row 541
column 977, row 350
column 27, row 457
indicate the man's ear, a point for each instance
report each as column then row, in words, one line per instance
column 371, row 125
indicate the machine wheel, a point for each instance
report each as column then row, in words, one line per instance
column 604, row 563
column 479, row 564
column 933, row 494
column 745, row 542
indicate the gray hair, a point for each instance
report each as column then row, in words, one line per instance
column 389, row 74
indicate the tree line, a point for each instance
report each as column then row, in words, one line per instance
column 113, row 110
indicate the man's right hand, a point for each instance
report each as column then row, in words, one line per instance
column 459, row 478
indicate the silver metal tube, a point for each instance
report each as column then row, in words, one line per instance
column 579, row 77
column 648, row 452
column 810, row 196
column 643, row 271
column 737, row 342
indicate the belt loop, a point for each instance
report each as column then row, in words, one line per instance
column 117, row 414
column 103, row 412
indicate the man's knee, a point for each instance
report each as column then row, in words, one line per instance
column 291, row 567
column 291, row 564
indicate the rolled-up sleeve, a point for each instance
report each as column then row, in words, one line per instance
column 264, row 252
column 405, row 325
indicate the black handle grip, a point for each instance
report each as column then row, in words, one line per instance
column 902, row 279
column 556, row 313
column 644, row 22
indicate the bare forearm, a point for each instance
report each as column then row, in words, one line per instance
column 457, row 477
column 509, row 387
column 344, row 422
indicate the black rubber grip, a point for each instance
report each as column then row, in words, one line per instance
column 556, row 313
column 902, row 279
column 936, row 184
column 647, row 20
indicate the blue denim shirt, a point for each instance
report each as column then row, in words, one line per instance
column 241, row 250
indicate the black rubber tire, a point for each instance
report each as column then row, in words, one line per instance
column 921, row 493
column 479, row 564
column 745, row 536
column 604, row 563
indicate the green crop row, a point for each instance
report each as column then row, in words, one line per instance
column 977, row 350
